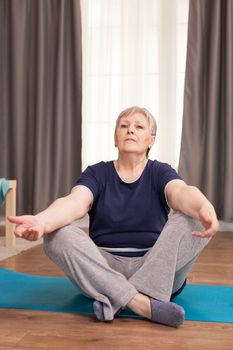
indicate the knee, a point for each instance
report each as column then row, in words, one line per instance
column 53, row 242
column 59, row 241
column 181, row 226
column 185, row 223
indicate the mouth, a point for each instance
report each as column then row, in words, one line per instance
column 130, row 140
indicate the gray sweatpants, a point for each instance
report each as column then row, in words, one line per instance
column 115, row 280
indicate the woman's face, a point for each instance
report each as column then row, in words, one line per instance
column 133, row 134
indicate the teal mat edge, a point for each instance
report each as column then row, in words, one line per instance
column 75, row 302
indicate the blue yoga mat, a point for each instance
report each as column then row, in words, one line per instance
column 23, row 291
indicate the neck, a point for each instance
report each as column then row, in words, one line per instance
column 131, row 162
column 130, row 168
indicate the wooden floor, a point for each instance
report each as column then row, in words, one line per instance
column 22, row 329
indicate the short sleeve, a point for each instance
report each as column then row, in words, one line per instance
column 165, row 174
column 90, row 179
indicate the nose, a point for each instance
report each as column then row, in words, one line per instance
column 130, row 129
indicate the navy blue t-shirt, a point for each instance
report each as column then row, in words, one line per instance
column 127, row 218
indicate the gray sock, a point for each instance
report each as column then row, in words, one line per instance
column 169, row 314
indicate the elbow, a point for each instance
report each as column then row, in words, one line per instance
column 179, row 196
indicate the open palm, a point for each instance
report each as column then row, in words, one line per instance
column 28, row 227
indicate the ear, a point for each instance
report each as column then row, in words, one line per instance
column 152, row 141
column 115, row 141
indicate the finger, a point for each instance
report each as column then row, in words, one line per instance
column 18, row 234
column 14, row 219
column 206, row 221
column 204, row 234
column 31, row 235
column 20, row 230
column 38, row 231
column 35, row 236
column 201, row 235
column 34, row 230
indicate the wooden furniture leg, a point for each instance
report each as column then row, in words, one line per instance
column 10, row 210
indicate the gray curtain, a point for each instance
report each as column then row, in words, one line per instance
column 206, row 158
column 40, row 98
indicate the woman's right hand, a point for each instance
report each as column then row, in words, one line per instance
column 28, row 227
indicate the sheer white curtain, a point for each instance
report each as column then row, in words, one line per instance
column 134, row 53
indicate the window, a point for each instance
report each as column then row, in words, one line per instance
column 134, row 53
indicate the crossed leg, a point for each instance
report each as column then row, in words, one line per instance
column 162, row 271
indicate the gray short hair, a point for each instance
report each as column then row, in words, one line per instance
column 144, row 111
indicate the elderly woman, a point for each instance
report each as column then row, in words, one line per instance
column 134, row 256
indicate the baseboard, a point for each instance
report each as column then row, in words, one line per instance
column 225, row 226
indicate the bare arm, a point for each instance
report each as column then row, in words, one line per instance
column 192, row 202
column 61, row 212
column 65, row 210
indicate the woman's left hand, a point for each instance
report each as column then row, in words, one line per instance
column 209, row 221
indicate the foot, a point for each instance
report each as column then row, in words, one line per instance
column 140, row 304
column 167, row 313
